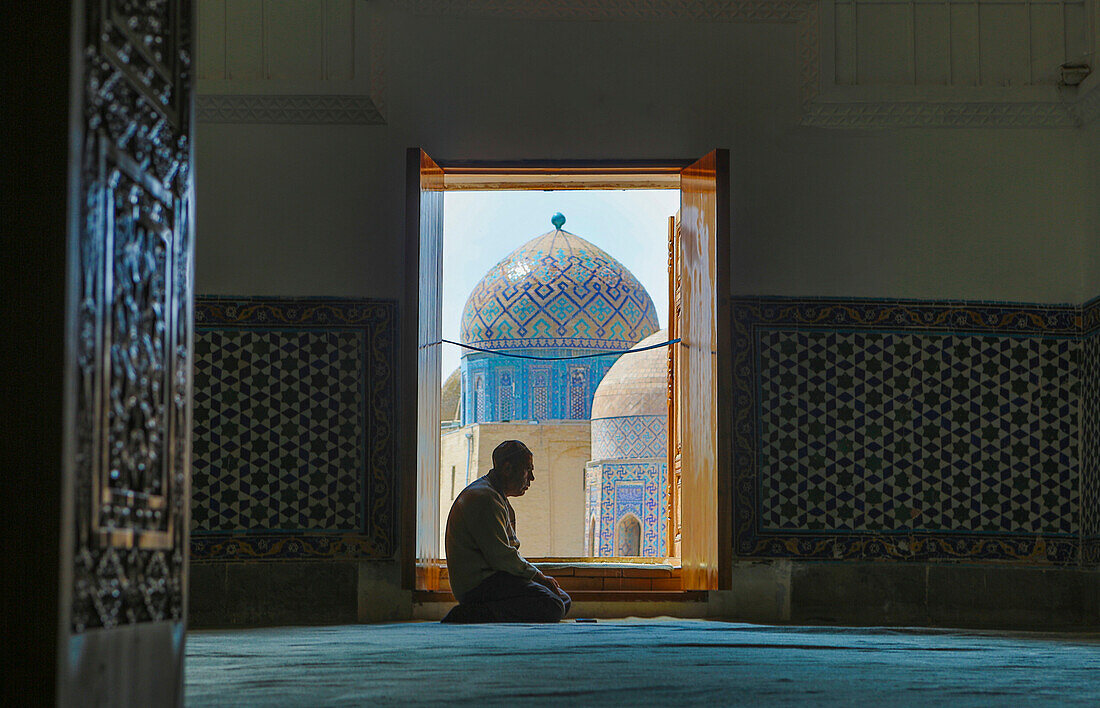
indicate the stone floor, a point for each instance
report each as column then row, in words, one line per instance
column 634, row 661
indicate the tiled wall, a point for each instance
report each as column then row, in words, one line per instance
column 629, row 437
column 863, row 429
column 616, row 488
column 1090, row 432
column 908, row 430
column 293, row 439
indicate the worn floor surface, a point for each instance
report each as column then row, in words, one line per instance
column 637, row 662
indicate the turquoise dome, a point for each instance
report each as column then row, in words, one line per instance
column 558, row 291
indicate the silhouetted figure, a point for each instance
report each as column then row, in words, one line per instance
column 490, row 579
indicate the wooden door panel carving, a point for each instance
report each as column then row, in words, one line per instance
column 132, row 329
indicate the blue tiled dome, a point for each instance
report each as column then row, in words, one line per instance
column 558, row 291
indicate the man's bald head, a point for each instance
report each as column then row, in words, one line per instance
column 513, row 468
column 508, row 450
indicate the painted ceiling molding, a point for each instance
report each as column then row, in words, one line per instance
column 944, row 114
column 603, row 10
column 348, row 88
column 818, row 109
column 222, row 108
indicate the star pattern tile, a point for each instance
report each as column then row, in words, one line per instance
column 278, row 431
column 874, row 431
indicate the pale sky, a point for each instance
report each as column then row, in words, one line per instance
column 480, row 228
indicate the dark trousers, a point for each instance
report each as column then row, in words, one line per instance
column 503, row 597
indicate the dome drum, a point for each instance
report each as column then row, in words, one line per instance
column 630, row 438
column 496, row 388
column 630, row 407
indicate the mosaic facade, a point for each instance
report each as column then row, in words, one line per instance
column 621, row 490
column 294, row 419
column 906, row 430
column 633, row 436
column 556, row 296
column 626, row 502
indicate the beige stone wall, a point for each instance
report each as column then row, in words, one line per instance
column 453, row 447
column 550, row 516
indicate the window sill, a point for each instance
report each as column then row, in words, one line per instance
column 428, row 596
column 619, row 576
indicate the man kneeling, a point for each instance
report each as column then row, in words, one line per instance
column 490, row 579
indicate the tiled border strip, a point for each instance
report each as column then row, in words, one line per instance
column 1090, row 317
column 1090, row 434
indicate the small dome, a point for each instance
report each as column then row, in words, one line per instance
column 558, row 290
column 636, row 384
column 450, row 397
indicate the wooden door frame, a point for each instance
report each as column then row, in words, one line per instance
column 533, row 174
column 723, row 241
column 408, row 326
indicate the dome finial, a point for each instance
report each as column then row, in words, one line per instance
column 558, row 220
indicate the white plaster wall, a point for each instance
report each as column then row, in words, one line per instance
column 968, row 214
column 1003, row 214
column 1091, row 275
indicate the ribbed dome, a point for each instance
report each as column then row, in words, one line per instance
column 451, row 397
column 637, row 384
column 558, row 290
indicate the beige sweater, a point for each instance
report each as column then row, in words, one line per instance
column 481, row 538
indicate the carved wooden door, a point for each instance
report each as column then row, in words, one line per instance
column 129, row 364
column 703, row 281
column 424, row 221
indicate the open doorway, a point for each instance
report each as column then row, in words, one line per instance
column 547, row 297
column 535, row 360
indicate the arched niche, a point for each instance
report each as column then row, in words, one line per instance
column 628, row 536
